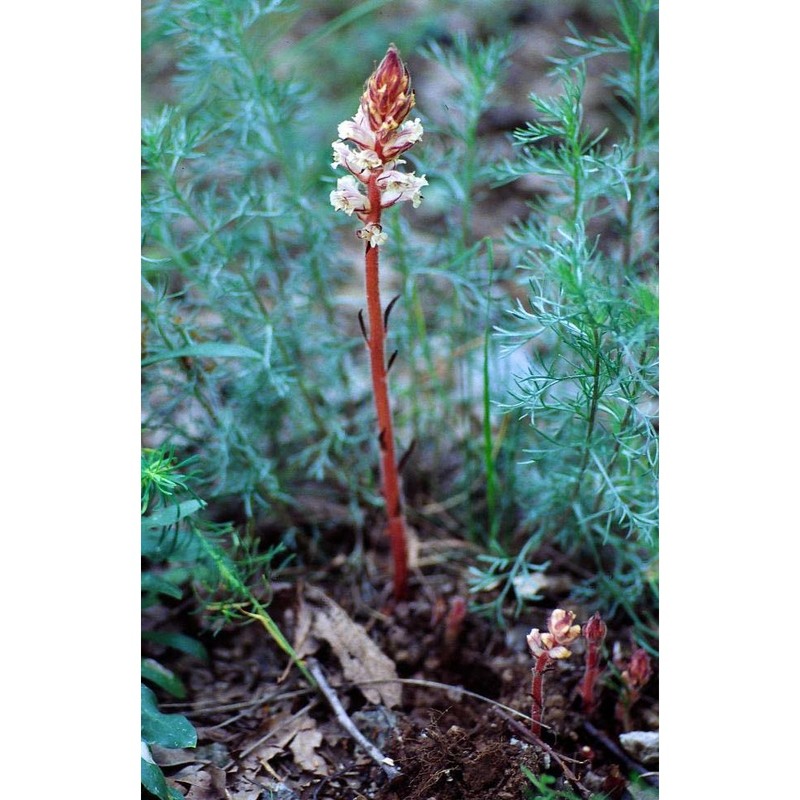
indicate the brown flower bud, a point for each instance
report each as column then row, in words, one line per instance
column 639, row 669
column 595, row 629
column 388, row 96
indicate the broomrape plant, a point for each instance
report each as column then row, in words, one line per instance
column 553, row 645
column 594, row 631
column 379, row 135
column 634, row 674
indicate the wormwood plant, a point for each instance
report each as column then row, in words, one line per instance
column 542, row 788
column 162, row 488
column 238, row 298
column 461, row 278
column 245, row 299
column 589, row 325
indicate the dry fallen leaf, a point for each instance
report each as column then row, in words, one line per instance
column 247, row 791
column 304, row 643
column 304, row 747
column 245, row 782
column 300, row 734
column 206, row 782
column 362, row 660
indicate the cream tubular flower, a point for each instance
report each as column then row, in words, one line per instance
column 561, row 632
column 357, row 162
column 407, row 135
column 373, row 234
column 399, row 186
column 544, row 644
column 347, row 197
column 535, row 643
column 370, row 145
column 357, row 130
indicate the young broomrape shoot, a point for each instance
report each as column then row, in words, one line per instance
column 378, row 134
column 634, row 676
column 594, row 631
column 545, row 647
column 454, row 622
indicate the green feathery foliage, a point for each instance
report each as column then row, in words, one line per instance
column 589, row 324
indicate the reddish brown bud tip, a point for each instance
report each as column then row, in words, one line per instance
column 595, row 629
column 639, row 670
column 458, row 610
column 455, row 620
column 388, row 96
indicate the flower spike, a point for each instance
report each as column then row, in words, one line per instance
column 371, row 143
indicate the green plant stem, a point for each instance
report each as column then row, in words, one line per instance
column 614, row 454
column 636, row 135
column 231, row 579
column 592, row 417
column 275, row 632
column 376, row 343
column 488, row 449
column 470, row 142
column 424, row 375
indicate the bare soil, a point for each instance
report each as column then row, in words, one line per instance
column 450, row 730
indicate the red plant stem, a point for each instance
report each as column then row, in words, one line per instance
column 590, row 676
column 537, row 687
column 377, row 360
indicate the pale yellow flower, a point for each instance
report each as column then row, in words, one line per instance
column 561, row 632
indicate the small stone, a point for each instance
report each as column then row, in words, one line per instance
column 641, row 745
column 277, row 790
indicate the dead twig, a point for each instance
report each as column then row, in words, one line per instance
column 526, row 733
column 327, row 779
column 457, row 691
column 379, row 758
